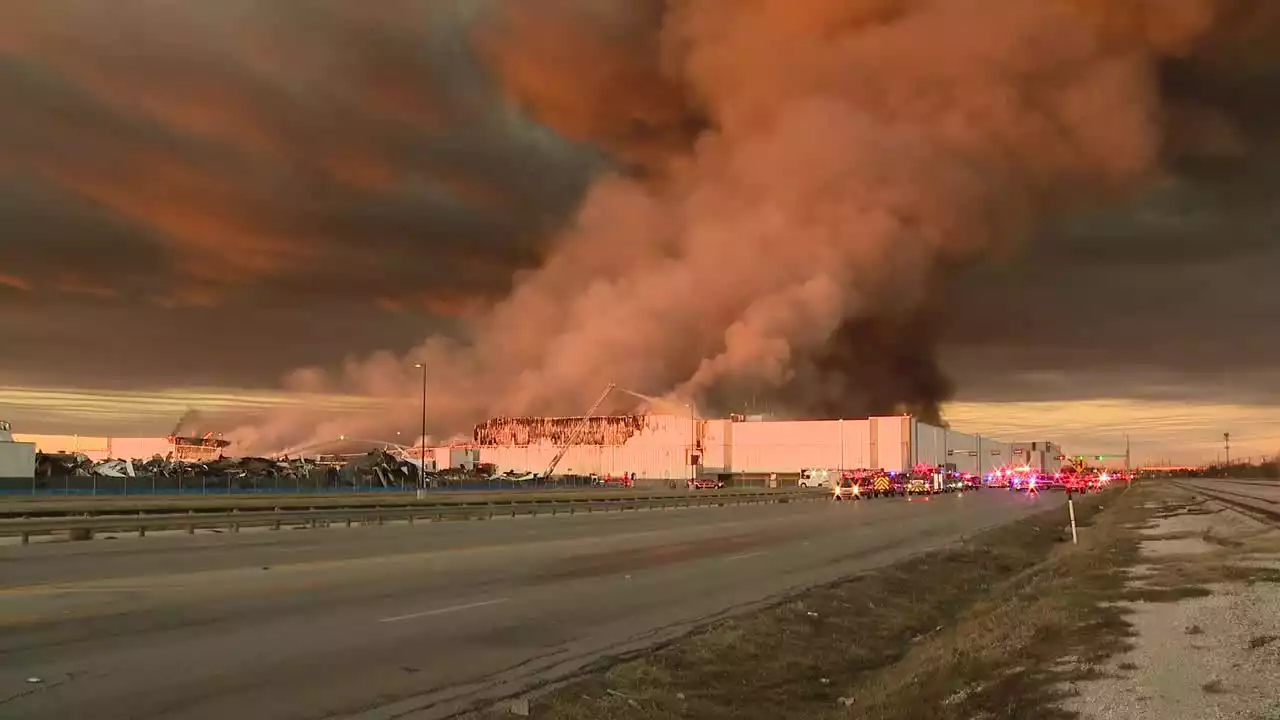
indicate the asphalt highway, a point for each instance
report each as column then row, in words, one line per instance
column 416, row 621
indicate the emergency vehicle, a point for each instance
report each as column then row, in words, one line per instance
column 925, row 480
column 918, row 485
column 847, row 489
column 819, row 477
column 881, row 485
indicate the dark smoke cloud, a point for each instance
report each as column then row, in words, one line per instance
column 595, row 72
column 851, row 151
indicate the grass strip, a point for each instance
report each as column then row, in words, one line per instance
column 974, row 630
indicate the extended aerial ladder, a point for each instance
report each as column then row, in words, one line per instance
column 577, row 432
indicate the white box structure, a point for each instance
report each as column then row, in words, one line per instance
column 662, row 446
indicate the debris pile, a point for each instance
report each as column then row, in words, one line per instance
column 378, row 468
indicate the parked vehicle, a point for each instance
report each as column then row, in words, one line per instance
column 818, row 477
column 847, row 489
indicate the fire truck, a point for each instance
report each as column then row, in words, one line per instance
column 881, row 485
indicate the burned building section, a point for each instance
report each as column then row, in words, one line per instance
column 643, row 446
column 613, row 430
column 205, row 448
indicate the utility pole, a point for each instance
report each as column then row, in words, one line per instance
column 1127, row 456
column 1226, row 442
column 692, row 457
column 946, row 451
column 693, row 445
column 841, row 448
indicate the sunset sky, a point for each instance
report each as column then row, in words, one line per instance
column 197, row 201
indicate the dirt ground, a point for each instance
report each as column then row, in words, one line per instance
column 1215, row 651
column 1167, row 608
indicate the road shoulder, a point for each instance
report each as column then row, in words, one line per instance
column 1169, row 608
column 921, row 638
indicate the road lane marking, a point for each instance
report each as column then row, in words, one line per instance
column 744, row 556
column 61, row 589
column 445, row 610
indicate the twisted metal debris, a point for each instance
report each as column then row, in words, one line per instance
column 610, row 430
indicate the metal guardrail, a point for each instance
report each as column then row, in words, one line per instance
column 67, row 486
column 84, row 527
column 45, row 508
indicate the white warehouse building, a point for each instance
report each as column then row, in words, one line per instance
column 672, row 447
column 17, row 459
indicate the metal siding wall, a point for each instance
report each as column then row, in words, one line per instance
column 139, row 448
column 1023, row 454
column 1006, row 453
column 996, row 455
column 94, row 447
column 729, row 437
column 962, row 443
column 17, row 460
column 857, row 444
column 893, row 441
column 659, row 451
column 459, row 457
column 789, row 446
column 1043, row 457
column 931, row 446
column 716, row 442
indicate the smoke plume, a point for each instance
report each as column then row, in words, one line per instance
column 810, row 170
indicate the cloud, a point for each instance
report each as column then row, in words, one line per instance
column 221, row 194
column 848, row 155
column 785, row 199
column 239, row 146
column 595, row 72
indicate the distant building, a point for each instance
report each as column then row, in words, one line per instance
column 672, row 447
column 180, row 449
column 1039, row 455
column 17, row 458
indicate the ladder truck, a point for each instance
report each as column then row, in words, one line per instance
column 577, row 432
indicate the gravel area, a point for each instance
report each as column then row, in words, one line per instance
column 1200, row 658
column 1177, row 546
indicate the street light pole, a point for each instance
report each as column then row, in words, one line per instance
column 422, row 440
column 841, row 431
column 693, row 446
